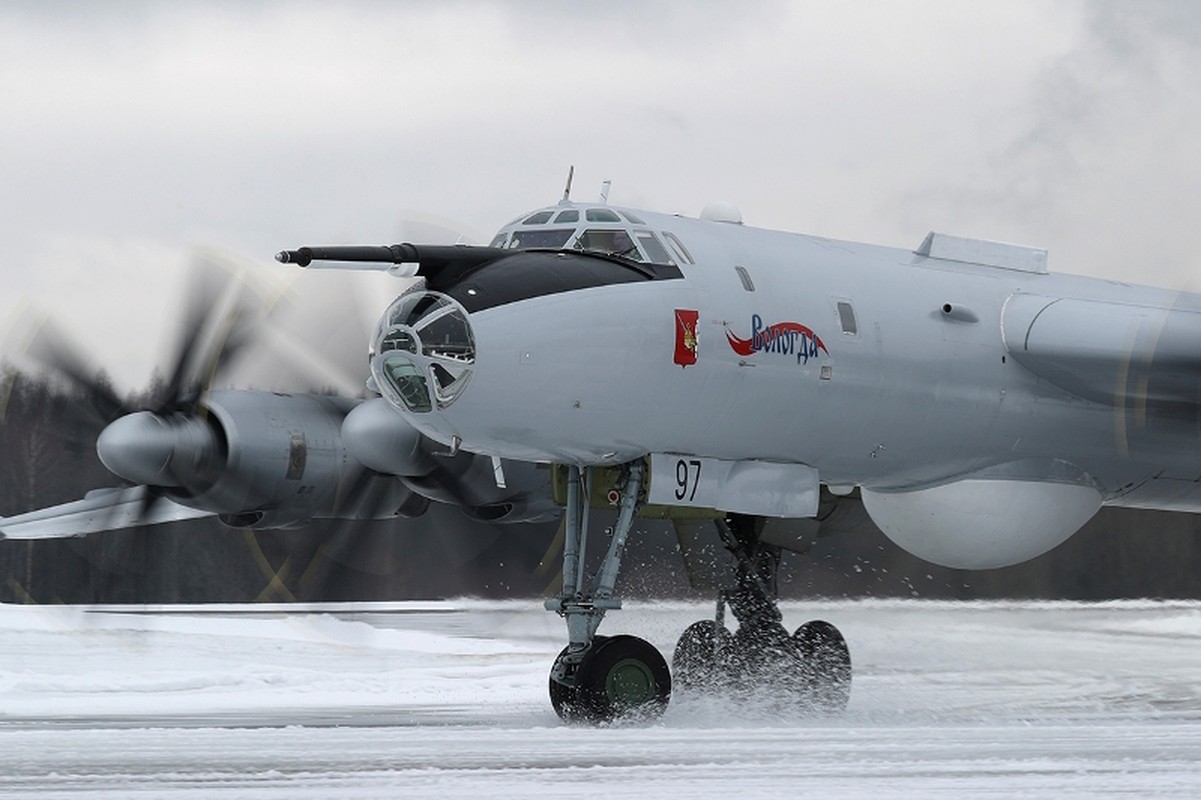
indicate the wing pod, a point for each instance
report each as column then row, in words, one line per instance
column 991, row 518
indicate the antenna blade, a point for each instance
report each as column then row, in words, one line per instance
column 567, row 188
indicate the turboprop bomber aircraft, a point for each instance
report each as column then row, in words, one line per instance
column 977, row 407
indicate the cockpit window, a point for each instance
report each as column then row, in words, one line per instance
column 553, row 239
column 614, row 242
column 633, row 218
column 396, row 339
column 568, row 216
column 538, row 219
column 654, row 250
column 409, row 309
column 406, row 383
column 449, row 337
column 500, row 240
column 601, row 215
column 679, row 247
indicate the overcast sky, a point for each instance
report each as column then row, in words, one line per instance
column 130, row 131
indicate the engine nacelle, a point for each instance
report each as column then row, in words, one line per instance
column 281, row 462
column 983, row 522
column 376, row 434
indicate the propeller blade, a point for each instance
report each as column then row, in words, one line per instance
column 215, row 328
column 50, row 348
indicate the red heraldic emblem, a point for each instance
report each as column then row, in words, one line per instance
column 686, row 336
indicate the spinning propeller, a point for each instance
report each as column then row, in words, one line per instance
column 163, row 441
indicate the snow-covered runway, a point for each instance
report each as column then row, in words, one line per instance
column 449, row 699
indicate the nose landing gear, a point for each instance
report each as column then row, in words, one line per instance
column 599, row 678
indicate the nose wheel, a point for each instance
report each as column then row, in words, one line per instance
column 620, row 677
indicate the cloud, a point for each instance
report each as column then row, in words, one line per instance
column 1096, row 158
column 141, row 127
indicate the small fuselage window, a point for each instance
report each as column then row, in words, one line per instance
column 846, row 319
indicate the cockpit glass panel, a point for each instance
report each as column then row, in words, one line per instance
column 654, row 249
column 539, row 218
column 405, row 378
column 679, row 247
column 552, row 239
column 601, row 215
column 633, row 218
column 414, row 307
column 568, row 216
column 397, row 339
column 442, row 376
column 610, row 241
column 448, row 336
column 499, row 240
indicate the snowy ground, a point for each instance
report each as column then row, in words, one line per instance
column 950, row 700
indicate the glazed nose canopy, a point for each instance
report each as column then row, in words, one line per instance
column 424, row 351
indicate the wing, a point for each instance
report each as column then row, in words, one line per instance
column 100, row 510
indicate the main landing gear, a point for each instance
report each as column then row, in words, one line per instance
column 601, row 678
column 808, row 671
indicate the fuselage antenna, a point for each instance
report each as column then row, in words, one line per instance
column 567, row 188
column 604, row 198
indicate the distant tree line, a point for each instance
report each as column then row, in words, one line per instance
column 47, row 456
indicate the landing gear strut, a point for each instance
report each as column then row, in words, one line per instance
column 809, row 669
column 598, row 678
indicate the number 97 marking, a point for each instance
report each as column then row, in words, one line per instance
column 688, row 477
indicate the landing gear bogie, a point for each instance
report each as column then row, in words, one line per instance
column 807, row 673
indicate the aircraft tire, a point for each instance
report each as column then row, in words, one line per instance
column 563, row 696
column 826, row 664
column 765, row 657
column 696, row 664
column 621, row 677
